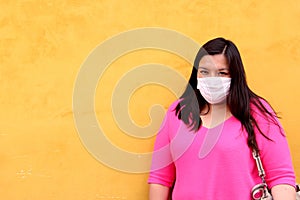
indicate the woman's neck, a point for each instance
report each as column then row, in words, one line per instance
column 215, row 115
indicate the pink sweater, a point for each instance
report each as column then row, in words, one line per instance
column 216, row 163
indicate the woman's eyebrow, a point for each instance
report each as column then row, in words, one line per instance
column 222, row 69
column 202, row 67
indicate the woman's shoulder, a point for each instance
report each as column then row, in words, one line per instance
column 263, row 113
column 260, row 106
column 266, row 118
column 174, row 104
column 171, row 109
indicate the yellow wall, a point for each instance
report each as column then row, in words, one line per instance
column 43, row 45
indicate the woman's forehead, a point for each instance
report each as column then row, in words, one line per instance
column 218, row 60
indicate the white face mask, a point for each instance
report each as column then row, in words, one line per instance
column 214, row 89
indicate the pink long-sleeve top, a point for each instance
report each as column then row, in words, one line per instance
column 216, row 163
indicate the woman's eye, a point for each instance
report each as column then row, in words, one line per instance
column 203, row 72
column 223, row 73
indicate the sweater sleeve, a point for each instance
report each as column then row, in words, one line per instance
column 162, row 169
column 275, row 153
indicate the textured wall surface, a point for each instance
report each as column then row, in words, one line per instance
column 43, row 45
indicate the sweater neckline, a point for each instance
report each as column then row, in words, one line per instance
column 218, row 125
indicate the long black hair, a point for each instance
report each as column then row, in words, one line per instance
column 239, row 100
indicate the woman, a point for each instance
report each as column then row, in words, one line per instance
column 208, row 136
